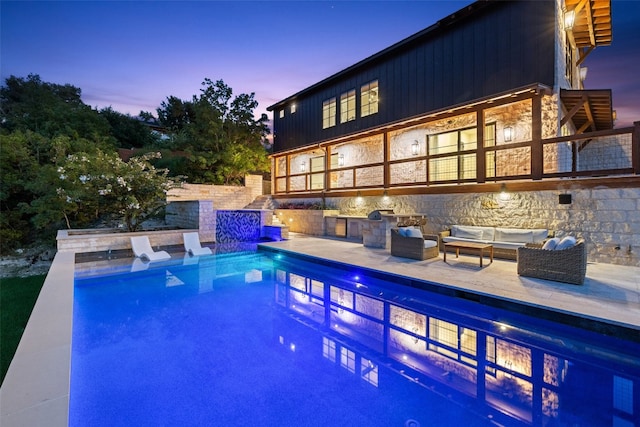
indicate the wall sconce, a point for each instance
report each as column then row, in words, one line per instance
column 583, row 73
column 564, row 199
column 303, row 167
column 341, row 160
column 385, row 196
column 569, row 19
column 508, row 134
column 415, row 148
column 358, row 197
column 504, row 196
column 614, row 115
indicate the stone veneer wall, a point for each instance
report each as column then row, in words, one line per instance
column 223, row 196
column 197, row 214
column 608, row 219
column 305, row 221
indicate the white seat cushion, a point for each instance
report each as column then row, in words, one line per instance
column 430, row 244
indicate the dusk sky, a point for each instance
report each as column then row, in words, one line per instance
column 132, row 55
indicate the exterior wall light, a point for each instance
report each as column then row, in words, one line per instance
column 583, row 73
column 569, row 19
column 341, row 160
column 358, row 197
column 303, row 167
column 504, row 196
column 385, row 196
column 508, row 134
column 415, row 148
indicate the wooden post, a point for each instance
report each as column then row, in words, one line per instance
column 537, row 155
column 481, row 168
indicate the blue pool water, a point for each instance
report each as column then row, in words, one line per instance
column 259, row 339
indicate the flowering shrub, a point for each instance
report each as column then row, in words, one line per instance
column 102, row 185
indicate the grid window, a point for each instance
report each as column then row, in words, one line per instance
column 348, row 106
column 369, row 99
column 328, row 113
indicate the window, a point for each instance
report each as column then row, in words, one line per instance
column 293, row 108
column 456, row 166
column 369, row 99
column 317, row 172
column 282, row 113
column 348, row 106
column 328, row 113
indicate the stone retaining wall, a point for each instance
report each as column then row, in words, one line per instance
column 607, row 218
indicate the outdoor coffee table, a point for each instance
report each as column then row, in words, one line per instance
column 480, row 247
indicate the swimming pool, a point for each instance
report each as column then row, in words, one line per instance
column 261, row 339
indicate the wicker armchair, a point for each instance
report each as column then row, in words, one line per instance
column 413, row 247
column 566, row 265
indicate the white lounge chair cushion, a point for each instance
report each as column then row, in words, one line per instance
column 430, row 244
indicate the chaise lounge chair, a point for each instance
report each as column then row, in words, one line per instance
column 192, row 244
column 142, row 249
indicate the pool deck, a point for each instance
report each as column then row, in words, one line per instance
column 610, row 293
column 35, row 391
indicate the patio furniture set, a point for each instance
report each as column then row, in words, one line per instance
column 537, row 252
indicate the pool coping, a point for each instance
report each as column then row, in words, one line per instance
column 35, row 390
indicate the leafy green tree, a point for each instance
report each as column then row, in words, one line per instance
column 50, row 110
column 219, row 132
column 19, row 168
column 128, row 131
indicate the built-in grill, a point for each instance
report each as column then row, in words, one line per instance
column 377, row 214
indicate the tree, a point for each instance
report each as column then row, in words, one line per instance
column 101, row 185
column 50, row 110
column 220, row 133
column 128, row 131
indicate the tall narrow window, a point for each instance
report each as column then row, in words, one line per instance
column 348, row 106
column 329, row 113
column 369, row 99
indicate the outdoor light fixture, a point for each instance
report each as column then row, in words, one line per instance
column 415, row 148
column 569, row 19
column 385, row 196
column 358, row 197
column 303, row 167
column 583, row 73
column 508, row 134
column 503, row 193
column 341, row 160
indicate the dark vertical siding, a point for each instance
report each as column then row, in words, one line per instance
column 501, row 46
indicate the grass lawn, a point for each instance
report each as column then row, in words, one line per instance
column 17, row 298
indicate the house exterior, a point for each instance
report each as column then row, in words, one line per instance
column 489, row 97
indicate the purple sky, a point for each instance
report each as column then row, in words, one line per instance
column 132, row 55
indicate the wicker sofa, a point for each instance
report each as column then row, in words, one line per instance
column 565, row 265
column 505, row 241
column 424, row 247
